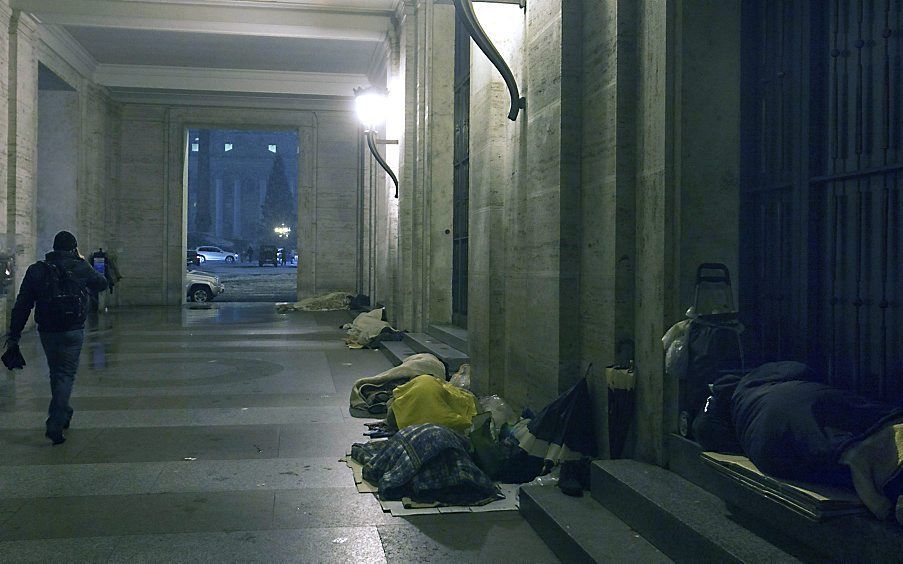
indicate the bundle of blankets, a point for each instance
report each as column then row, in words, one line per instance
column 791, row 425
column 427, row 455
column 427, row 463
column 370, row 396
column 327, row 302
column 368, row 330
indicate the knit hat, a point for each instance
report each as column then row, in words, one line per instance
column 64, row 241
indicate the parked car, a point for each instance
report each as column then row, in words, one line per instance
column 192, row 257
column 267, row 255
column 216, row 254
column 202, row 287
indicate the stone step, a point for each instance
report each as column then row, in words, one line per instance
column 679, row 518
column 845, row 538
column 578, row 529
column 451, row 335
column 424, row 343
column 396, row 351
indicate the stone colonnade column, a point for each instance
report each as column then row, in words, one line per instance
column 22, row 141
column 236, row 208
column 423, row 291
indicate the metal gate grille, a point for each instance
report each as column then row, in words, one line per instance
column 822, row 203
column 461, row 197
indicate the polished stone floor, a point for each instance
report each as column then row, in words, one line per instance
column 213, row 435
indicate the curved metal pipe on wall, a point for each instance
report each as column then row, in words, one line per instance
column 476, row 32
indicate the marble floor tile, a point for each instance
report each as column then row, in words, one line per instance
column 67, row 517
column 328, row 507
column 327, row 545
column 177, row 443
column 63, row 480
column 29, row 446
column 208, row 417
column 464, row 537
column 213, row 435
column 73, row 550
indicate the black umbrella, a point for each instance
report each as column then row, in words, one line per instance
column 563, row 430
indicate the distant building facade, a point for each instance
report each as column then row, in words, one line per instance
column 227, row 180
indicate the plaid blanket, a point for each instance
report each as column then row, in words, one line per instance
column 426, row 463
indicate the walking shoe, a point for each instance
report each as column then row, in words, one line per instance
column 55, row 436
column 66, row 424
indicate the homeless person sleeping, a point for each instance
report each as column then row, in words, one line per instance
column 793, row 426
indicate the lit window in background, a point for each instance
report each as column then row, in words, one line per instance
column 272, row 148
column 228, row 147
column 194, row 147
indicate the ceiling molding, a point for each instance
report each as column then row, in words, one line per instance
column 60, row 42
column 379, row 61
column 231, row 100
column 307, row 5
column 247, row 18
column 228, row 80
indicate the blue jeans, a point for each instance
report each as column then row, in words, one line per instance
column 62, row 350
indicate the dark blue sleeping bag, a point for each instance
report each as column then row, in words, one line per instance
column 793, row 426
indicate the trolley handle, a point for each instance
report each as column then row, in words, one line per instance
column 723, row 278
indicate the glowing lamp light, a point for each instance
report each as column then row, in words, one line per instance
column 371, row 106
column 282, row 231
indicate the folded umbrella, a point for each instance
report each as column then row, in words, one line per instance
column 563, row 430
column 13, row 358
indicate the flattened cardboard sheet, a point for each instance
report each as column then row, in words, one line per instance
column 398, row 509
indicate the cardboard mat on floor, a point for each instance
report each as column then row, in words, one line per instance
column 408, row 507
column 815, row 501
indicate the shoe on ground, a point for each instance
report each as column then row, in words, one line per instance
column 55, row 436
column 569, row 479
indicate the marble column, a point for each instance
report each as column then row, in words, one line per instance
column 218, row 201
column 236, row 208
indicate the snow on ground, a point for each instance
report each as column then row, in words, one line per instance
column 247, row 282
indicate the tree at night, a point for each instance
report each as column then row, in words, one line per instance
column 278, row 205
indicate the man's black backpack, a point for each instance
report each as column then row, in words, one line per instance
column 65, row 303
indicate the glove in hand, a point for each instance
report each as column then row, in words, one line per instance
column 13, row 358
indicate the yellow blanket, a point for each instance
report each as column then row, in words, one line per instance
column 873, row 463
column 426, row 399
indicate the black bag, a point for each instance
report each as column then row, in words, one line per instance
column 66, row 303
column 713, row 346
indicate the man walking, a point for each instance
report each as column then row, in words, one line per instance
column 59, row 286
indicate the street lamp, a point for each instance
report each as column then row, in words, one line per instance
column 370, row 104
column 282, row 231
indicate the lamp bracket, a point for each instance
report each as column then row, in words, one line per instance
column 371, row 144
column 476, row 32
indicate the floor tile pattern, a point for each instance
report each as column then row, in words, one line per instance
column 213, row 435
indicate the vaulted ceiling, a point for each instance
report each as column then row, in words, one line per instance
column 320, row 48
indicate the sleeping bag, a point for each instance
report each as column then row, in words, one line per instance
column 793, row 426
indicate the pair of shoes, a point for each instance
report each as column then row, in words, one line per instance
column 55, row 436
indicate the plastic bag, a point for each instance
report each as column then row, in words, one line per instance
column 501, row 412
column 550, row 479
column 461, row 378
column 675, row 344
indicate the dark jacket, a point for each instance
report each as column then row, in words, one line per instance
column 36, row 285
